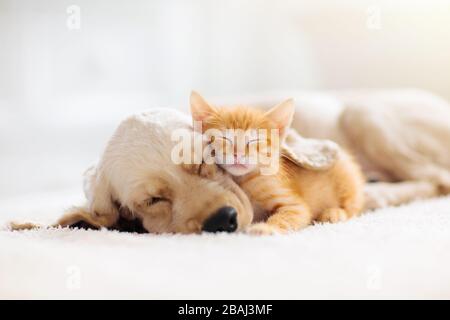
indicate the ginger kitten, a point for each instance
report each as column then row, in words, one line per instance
column 292, row 197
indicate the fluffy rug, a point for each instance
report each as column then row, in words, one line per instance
column 391, row 253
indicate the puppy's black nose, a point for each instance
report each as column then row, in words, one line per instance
column 224, row 219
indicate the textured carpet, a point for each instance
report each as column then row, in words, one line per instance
column 391, row 253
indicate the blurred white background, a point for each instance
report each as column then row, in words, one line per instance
column 71, row 70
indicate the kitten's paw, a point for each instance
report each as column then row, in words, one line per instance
column 376, row 197
column 262, row 229
column 204, row 170
column 192, row 168
column 208, row 170
column 333, row 215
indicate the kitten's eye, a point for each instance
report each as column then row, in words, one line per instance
column 223, row 142
column 154, row 200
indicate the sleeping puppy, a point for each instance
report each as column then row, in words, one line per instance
column 138, row 187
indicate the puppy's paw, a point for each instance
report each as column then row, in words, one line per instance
column 444, row 189
column 334, row 215
column 262, row 229
column 374, row 203
column 15, row 226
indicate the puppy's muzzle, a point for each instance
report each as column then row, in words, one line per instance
column 223, row 220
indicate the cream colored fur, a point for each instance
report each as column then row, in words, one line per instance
column 401, row 138
column 136, row 167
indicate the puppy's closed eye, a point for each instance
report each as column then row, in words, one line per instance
column 154, row 200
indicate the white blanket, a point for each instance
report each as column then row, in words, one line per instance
column 391, row 253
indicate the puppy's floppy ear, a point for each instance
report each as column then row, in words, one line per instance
column 78, row 217
column 101, row 206
column 282, row 115
column 312, row 154
column 200, row 109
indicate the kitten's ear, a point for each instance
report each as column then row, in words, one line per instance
column 282, row 115
column 200, row 109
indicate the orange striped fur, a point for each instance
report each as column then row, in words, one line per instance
column 294, row 197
